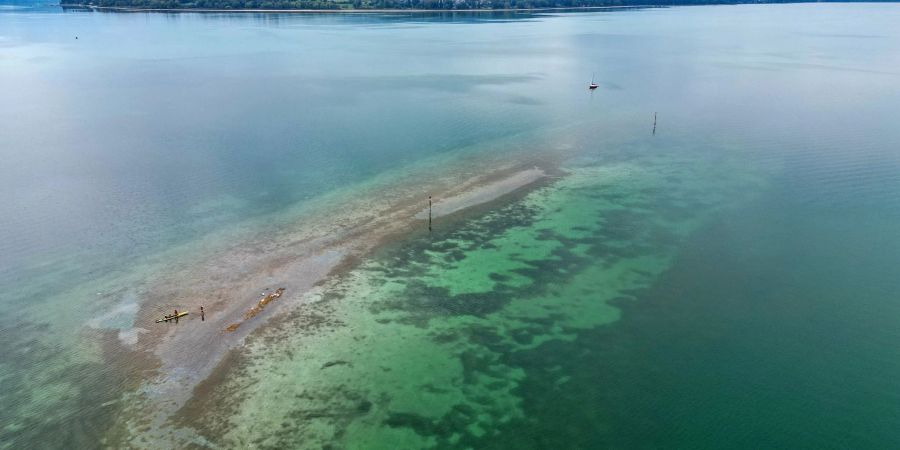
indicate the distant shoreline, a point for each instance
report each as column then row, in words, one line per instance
column 464, row 10
column 350, row 11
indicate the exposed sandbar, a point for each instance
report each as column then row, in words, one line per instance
column 482, row 193
column 296, row 257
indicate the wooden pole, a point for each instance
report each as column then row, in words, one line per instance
column 429, row 214
column 654, row 124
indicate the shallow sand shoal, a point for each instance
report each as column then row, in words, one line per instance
column 229, row 282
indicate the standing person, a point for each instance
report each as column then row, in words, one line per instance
column 175, row 316
column 202, row 315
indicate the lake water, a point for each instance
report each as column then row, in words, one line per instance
column 731, row 280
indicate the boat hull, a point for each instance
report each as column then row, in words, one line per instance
column 171, row 318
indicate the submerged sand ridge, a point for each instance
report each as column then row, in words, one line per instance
column 229, row 283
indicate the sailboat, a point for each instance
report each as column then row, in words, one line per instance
column 593, row 85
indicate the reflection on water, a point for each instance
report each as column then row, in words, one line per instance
column 734, row 269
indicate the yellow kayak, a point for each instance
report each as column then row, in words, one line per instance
column 172, row 317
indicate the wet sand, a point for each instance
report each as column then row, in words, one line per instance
column 482, row 193
column 229, row 283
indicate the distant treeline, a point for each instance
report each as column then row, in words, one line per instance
column 391, row 4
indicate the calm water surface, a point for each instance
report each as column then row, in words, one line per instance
column 730, row 281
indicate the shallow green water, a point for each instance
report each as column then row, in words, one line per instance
column 728, row 282
column 429, row 341
column 656, row 296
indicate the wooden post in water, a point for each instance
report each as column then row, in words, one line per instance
column 654, row 123
column 429, row 214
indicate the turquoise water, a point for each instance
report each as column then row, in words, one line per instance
column 728, row 281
